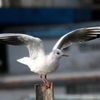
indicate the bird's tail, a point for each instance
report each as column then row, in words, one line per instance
column 25, row 61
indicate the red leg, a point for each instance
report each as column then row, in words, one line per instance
column 48, row 84
column 42, row 78
column 45, row 81
column 45, row 77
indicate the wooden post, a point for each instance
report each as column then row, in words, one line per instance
column 44, row 94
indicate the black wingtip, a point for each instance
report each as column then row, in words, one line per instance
column 98, row 35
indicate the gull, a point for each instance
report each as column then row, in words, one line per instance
column 40, row 62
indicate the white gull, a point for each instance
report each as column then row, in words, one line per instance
column 38, row 61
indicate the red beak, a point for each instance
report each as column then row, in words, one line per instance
column 65, row 55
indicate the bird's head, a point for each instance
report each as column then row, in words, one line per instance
column 58, row 53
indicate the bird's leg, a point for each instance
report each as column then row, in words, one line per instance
column 47, row 83
column 45, row 77
column 42, row 79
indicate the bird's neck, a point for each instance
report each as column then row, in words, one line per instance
column 53, row 57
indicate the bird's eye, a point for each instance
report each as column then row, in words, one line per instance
column 58, row 53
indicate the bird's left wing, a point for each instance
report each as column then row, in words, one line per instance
column 77, row 36
column 34, row 45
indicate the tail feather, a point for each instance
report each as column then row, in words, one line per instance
column 25, row 61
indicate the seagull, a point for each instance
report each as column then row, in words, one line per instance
column 40, row 62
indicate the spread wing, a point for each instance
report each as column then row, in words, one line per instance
column 34, row 45
column 77, row 36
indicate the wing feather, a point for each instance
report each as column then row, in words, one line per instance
column 34, row 45
column 77, row 36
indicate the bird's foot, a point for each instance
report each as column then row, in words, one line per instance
column 47, row 85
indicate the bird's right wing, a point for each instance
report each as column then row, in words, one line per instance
column 34, row 45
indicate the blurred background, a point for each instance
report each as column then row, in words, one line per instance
column 49, row 20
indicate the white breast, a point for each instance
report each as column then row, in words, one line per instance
column 45, row 66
